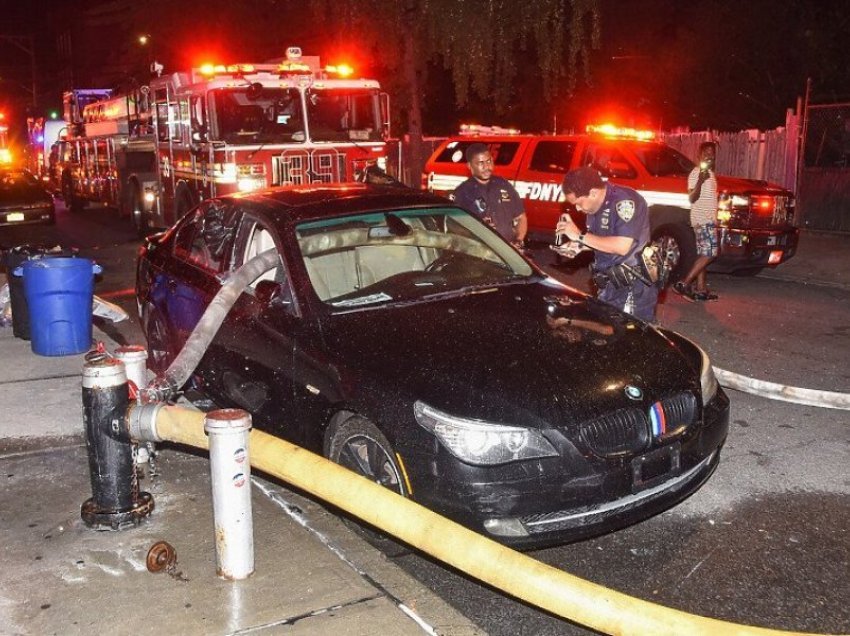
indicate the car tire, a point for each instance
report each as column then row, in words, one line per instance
column 357, row 444
column 136, row 210
column 184, row 203
column 678, row 239
column 73, row 204
column 161, row 351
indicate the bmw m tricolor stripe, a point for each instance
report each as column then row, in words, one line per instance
column 658, row 419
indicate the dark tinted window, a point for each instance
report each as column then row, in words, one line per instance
column 455, row 152
column 206, row 238
column 553, row 156
column 610, row 162
column 662, row 161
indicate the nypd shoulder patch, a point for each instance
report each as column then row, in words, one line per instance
column 626, row 209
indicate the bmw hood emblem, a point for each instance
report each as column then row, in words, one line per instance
column 633, row 392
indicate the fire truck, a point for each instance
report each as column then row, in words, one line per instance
column 156, row 151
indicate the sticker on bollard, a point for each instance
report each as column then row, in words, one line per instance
column 59, row 293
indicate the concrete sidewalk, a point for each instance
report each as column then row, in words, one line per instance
column 313, row 574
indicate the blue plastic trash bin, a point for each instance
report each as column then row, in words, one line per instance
column 59, row 293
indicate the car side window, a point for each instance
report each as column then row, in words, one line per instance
column 455, row 151
column 256, row 239
column 206, row 239
column 610, row 162
column 553, row 156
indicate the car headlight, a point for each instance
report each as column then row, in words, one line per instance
column 707, row 379
column 482, row 443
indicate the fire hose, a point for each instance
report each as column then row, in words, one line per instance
column 515, row 573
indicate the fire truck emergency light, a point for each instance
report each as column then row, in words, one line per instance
column 343, row 70
column 230, row 69
column 478, row 129
column 610, row 130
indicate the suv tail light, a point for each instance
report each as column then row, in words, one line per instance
column 763, row 205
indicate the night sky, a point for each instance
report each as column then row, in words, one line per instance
column 662, row 64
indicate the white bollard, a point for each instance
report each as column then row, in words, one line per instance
column 230, row 471
column 134, row 358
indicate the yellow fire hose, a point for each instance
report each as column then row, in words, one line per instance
column 554, row 590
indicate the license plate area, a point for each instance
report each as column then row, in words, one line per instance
column 655, row 466
column 13, row 217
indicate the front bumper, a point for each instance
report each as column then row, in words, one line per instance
column 538, row 503
column 750, row 249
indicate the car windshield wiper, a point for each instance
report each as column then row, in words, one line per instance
column 478, row 288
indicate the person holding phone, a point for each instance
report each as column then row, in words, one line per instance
column 702, row 193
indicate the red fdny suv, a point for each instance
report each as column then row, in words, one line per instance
column 755, row 217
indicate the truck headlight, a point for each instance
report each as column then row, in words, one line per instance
column 249, row 184
column 482, row 443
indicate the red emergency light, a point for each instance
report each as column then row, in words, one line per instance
column 763, row 204
column 610, row 130
column 343, row 70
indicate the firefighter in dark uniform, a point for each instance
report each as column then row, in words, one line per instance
column 617, row 231
column 490, row 197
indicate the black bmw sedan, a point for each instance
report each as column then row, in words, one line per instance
column 404, row 339
column 23, row 200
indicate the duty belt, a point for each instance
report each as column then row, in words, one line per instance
column 619, row 276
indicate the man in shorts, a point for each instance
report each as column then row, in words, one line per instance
column 702, row 193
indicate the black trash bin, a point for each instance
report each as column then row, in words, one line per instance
column 15, row 257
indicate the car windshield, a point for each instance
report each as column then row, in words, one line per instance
column 404, row 255
column 663, row 161
column 343, row 115
column 257, row 114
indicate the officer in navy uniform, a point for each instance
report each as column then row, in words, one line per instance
column 490, row 197
column 617, row 231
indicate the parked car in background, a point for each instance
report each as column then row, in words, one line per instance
column 755, row 217
column 23, row 199
column 401, row 337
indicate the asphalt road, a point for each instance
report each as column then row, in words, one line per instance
column 766, row 541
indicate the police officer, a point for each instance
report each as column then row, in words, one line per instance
column 490, row 197
column 617, row 230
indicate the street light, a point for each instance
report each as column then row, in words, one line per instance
column 146, row 42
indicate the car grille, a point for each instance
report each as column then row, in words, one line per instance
column 623, row 431
column 680, row 411
column 629, row 430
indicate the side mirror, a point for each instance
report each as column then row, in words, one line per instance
column 267, row 291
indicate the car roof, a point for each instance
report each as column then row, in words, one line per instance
column 298, row 203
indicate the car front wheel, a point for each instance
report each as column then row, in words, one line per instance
column 359, row 446
column 678, row 245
